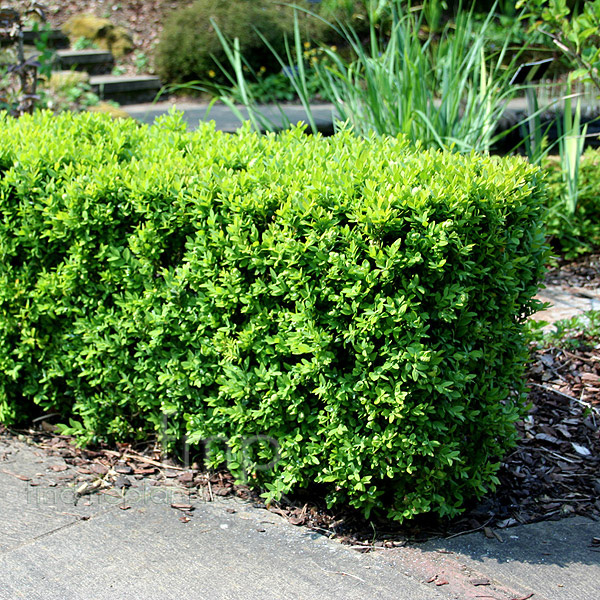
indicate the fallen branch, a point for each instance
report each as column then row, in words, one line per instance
column 342, row 573
column 582, row 402
column 144, row 459
column 21, row 477
column 470, row 530
column 152, row 462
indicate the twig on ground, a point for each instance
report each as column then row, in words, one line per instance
column 342, row 573
column 210, row 494
column 21, row 477
column 579, row 401
column 141, row 458
column 590, row 359
column 588, row 499
column 559, row 456
column 470, row 530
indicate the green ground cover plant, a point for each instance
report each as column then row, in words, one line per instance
column 361, row 302
column 567, row 333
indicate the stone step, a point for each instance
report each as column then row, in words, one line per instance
column 56, row 38
column 126, row 89
column 95, row 62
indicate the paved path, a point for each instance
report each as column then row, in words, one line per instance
column 553, row 559
column 323, row 113
column 54, row 549
column 225, row 119
column 565, row 302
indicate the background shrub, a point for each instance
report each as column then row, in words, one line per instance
column 578, row 233
column 359, row 301
column 188, row 42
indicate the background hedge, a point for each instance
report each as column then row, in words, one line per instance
column 358, row 301
column 578, row 233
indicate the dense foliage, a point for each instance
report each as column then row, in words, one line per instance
column 349, row 309
column 189, row 45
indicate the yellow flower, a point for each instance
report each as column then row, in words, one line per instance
column 307, row 44
column 333, row 48
column 211, row 73
column 262, row 69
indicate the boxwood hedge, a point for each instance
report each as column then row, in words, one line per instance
column 348, row 312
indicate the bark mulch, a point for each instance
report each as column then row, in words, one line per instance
column 584, row 272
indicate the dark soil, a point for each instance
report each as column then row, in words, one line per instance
column 555, row 470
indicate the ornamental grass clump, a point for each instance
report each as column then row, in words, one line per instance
column 347, row 311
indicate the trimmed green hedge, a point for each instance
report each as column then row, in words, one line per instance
column 358, row 301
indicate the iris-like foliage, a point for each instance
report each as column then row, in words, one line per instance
column 446, row 90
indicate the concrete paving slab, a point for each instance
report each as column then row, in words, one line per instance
column 147, row 552
column 29, row 509
column 224, row 117
column 551, row 559
column 227, row 550
column 565, row 302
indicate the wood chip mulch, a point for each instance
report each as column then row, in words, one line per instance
column 555, row 470
column 584, row 272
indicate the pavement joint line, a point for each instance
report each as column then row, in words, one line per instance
column 41, row 536
column 78, row 519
